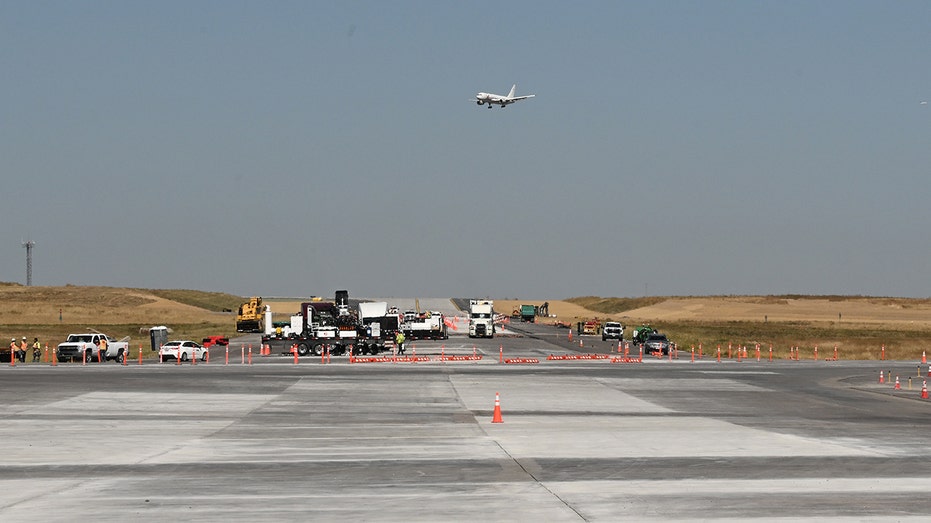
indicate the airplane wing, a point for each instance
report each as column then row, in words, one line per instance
column 516, row 98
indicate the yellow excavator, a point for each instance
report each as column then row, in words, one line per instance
column 251, row 316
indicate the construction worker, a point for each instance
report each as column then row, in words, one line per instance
column 102, row 349
column 399, row 340
column 36, row 350
column 22, row 350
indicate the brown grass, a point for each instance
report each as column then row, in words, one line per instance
column 51, row 313
column 859, row 326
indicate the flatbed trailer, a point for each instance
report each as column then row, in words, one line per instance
column 335, row 345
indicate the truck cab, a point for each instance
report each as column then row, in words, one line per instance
column 481, row 319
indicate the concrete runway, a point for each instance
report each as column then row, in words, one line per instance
column 581, row 440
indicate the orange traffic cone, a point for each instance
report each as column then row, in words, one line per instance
column 924, row 389
column 496, row 417
column 924, row 357
column 882, row 378
column 897, row 386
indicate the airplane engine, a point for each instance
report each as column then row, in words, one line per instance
column 479, row 102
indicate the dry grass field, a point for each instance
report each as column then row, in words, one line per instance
column 51, row 313
column 859, row 326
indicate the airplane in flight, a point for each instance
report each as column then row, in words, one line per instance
column 503, row 101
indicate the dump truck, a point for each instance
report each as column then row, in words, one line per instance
column 251, row 316
column 528, row 313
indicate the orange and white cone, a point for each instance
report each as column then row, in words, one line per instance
column 924, row 389
column 496, row 417
column 924, row 357
column 897, row 385
column 882, row 378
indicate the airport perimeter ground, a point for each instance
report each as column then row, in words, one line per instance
column 581, row 440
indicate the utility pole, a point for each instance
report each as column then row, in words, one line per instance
column 28, row 246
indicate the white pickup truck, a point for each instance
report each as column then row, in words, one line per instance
column 89, row 346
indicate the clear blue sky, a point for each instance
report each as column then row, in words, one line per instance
column 294, row 148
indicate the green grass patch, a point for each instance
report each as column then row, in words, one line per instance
column 614, row 305
column 211, row 301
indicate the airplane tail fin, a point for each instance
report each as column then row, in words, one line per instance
column 513, row 89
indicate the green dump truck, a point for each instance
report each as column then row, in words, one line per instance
column 528, row 313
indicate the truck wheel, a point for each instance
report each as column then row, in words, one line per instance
column 303, row 349
column 318, row 349
column 121, row 357
column 88, row 356
column 373, row 350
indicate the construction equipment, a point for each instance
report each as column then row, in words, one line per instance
column 590, row 327
column 251, row 316
column 425, row 325
column 642, row 333
column 333, row 327
column 528, row 313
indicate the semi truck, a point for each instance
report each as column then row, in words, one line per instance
column 481, row 318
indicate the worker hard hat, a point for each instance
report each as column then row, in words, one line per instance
column 12, row 339
column 24, row 337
